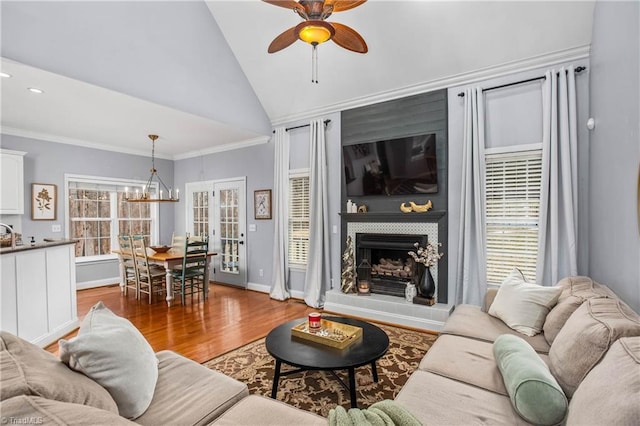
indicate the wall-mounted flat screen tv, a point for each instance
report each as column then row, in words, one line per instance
column 392, row 167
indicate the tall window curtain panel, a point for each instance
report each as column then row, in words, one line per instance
column 280, row 278
column 472, row 276
column 318, row 263
column 557, row 248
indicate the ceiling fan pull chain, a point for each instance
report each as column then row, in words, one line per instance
column 314, row 64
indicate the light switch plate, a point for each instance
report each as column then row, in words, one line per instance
column 56, row 228
column 252, row 227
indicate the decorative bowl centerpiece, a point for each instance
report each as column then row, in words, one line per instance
column 160, row 249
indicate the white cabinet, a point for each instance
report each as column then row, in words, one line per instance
column 38, row 292
column 11, row 182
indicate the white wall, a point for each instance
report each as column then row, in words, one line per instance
column 614, row 247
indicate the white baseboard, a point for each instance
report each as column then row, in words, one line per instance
column 263, row 288
column 97, row 283
column 56, row 334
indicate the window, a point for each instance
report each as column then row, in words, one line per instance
column 298, row 218
column 512, row 192
column 97, row 214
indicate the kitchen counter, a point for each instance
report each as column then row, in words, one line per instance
column 38, row 290
column 50, row 243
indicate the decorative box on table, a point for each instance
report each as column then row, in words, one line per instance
column 331, row 333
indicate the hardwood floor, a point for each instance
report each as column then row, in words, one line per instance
column 230, row 318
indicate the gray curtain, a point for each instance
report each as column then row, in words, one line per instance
column 318, row 263
column 280, row 278
column 557, row 245
column 471, row 268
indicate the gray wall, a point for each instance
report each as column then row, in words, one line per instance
column 47, row 162
column 614, row 248
column 256, row 164
column 514, row 117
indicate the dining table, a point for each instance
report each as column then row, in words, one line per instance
column 170, row 260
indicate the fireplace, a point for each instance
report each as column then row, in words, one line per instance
column 391, row 265
column 396, row 234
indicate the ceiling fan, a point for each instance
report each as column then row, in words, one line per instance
column 314, row 29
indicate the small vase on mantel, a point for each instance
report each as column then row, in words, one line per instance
column 426, row 285
column 410, row 292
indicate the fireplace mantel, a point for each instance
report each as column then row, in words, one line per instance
column 430, row 216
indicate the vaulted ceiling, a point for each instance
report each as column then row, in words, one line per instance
column 199, row 75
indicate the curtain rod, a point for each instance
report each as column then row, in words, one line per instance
column 577, row 70
column 327, row 121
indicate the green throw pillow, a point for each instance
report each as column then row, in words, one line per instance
column 534, row 392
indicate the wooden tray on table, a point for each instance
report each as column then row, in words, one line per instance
column 331, row 333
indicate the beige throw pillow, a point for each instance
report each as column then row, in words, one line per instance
column 523, row 306
column 111, row 351
column 586, row 338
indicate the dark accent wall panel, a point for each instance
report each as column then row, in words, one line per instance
column 410, row 116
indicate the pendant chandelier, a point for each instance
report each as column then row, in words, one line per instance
column 165, row 193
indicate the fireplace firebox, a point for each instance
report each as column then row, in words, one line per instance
column 391, row 265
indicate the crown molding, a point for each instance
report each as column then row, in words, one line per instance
column 496, row 71
column 226, row 147
column 48, row 137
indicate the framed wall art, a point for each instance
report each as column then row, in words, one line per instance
column 44, row 199
column 262, row 204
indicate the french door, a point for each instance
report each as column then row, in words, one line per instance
column 218, row 209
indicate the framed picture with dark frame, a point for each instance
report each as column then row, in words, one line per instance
column 262, row 204
column 44, row 199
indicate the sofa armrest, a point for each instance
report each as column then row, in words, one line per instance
column 489, row 296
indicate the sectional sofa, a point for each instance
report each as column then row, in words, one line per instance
column 589, row 345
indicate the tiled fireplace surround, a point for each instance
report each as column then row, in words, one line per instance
column 387, row 308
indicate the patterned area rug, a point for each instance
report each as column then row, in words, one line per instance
column 319, row 391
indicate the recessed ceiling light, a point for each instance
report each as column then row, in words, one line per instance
column 35, row 90
column 5, row 75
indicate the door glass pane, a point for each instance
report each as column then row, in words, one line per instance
column 229, row 235
column 201, row 213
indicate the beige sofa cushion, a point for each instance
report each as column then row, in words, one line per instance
column 27, row 369
column 37, row 410
column 189, row 394
column 258, row 410
column 587, row 336
column 470, row 321
column 523, row 306
column 601, row 400
column 466, row 360
column 437, row 400
column 575, row 290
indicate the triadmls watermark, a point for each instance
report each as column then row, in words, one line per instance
column 9, row 420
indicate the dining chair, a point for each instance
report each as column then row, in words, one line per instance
column 190, row 278
column 151, row 277
column 128, row 265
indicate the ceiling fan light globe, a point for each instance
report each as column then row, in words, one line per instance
column 315, row 32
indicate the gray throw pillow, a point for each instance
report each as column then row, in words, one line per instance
column 111, row 351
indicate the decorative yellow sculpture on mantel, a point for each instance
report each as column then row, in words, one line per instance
column 413, row 207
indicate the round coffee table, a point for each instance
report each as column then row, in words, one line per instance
column 308, row 355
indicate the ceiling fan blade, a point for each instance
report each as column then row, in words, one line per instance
column 287, row 4
column 348, row 38
column 340, row 5
column 285, row 39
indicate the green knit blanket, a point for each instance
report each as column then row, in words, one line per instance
column 383, row 413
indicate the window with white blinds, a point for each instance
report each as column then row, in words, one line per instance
column 298, row 219
column 512, row 192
